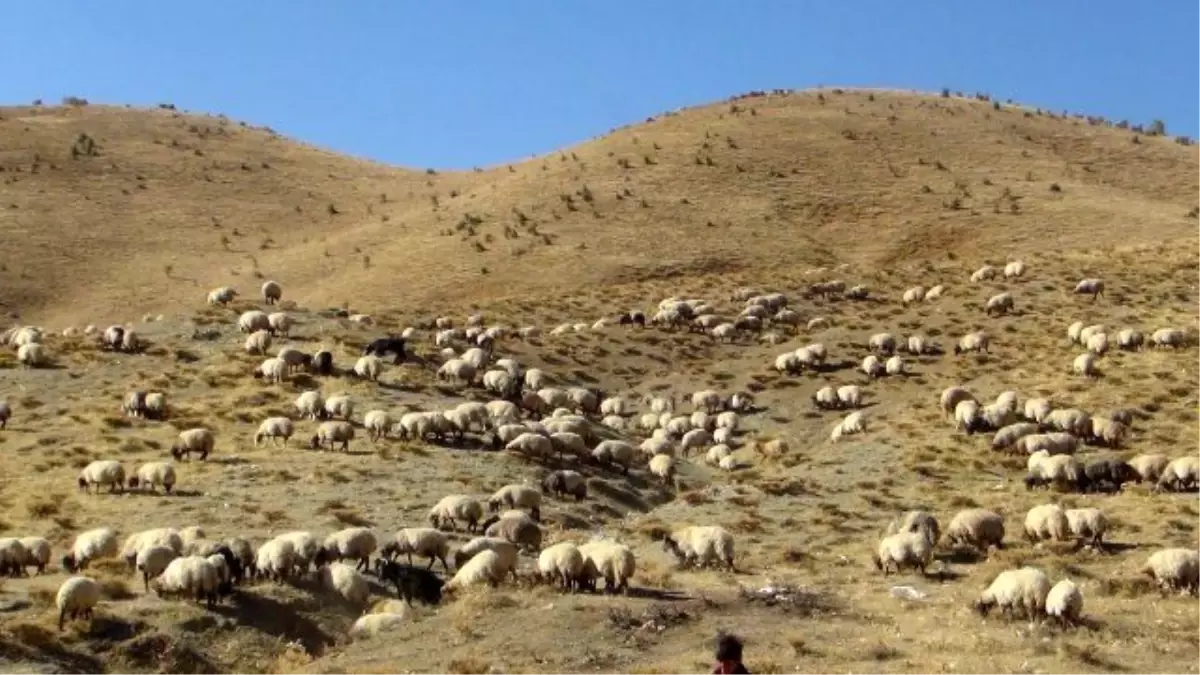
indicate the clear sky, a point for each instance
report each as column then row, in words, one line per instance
column 454, row 84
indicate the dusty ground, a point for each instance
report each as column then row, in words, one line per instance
column 809, row 518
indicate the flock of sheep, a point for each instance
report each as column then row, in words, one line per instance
column 531, row 415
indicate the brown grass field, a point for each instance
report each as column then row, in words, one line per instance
column 111, row 214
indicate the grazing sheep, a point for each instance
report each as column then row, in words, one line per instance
column 1001, row 303
column 1037, row 409
column 1045, row 522
column 198, row 440
column 1174, row 569
column 189, row 575
column 346, row 582
column 100, row 473
column 152, row 561
column 662, row 466
column 221, row 296
column 973, row 342
column 872, row 367
column 531, row 445
column 882, row 342
column 935, row 293
column 1008, row 435
column 37, row 553
column 566, row 482
column 1169, row 337
column 369, row 367
column 32, row 355
column 1182, row 473
column 331, row 433
column 978, row 528
column 153, row 474
column 518, row 528
column 1085, row 365
column 916, row 521
column 952, row 396
column 854, row 423
column 700, row 545
column 484, row 567
column 254, row 320
column 517, row 496
column 424, row 541
column 273, row 370
column 90, row 545
column 76, row 597
column 561, row 564
column 1062, row 471
column 281, row 323
column 12, row 556
column 985, row 273
column 1149, row 467
column 355, row 543
column 903, row 549
column 1093, row 287
column 453, row 508
column 614, row 452
column 506, row 550
column 1065, row 603
column 272, row 292
column 1107, row 475
column 339, row 406
column 274, row 428
column 276, row 559
column 914, row 294
column 1014, row 269
column 1130, row 340
column 258, row 342
column 1087, row 525
column 1025, row 589
column 610, row 560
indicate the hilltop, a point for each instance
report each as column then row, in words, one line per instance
column 147, row 209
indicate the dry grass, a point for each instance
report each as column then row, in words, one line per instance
column 807, row 518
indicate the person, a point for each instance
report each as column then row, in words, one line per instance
column 729, row 655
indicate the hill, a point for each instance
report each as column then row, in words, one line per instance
column 150, row 208
column 825, row 189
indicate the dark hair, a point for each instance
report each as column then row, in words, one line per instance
column 729, row 647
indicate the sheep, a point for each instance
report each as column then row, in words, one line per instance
column 662, row 466
column 331, row 433
column 346, row 582
column 561, row 564
column 76, row 597
column 273, row 370
column 934, row 293
column 339, row 406
column 1014, row 269
column 504, row 549
column 274, row 428
column 985, row 273
column 221, row 296
column 517, row 496
column 453, row 508
column 1168, row 337
column 32, row 355
column 1085, row 365
column 1107, row 432
column 894, row 365
column 612, row 561
column 152, row 561
column 5, row 414
column 854, row 423
column 872, row 366
column 1130, row 340
column 1149, row 467
column 1001, row 303
column 1087, row 525
column 1047, row 521
column 518, row 528
column 37, row 553
column 112, row 338
column 148, row 405
column 198, row 440
column 566, row 482
column 614, row 452
column 1037, row 409
column 1174, row 569
column 916, row 521
column 1008, row 435
column 152, row 474
column 1065, row 603
column 717, row 453
column 700, row 545
column 818, row 323
column 973, row 342
column 272, row 292
column 322, row 362
column 967, row 416
column 952, row 396
column 696, row 438
column 276, row 558
column 707, row 400
column 882, row 342
column 826, row 398
column 531, row 445
column 106, row 472
column 903, row 549
column 978, row 528
column 90, row 545
column 914, row 294
column 280, row 322
column 484, row 567
column 425, row 541
column 369, row 367
column 357, row 543
column 163, row 536
column 371, row 625
column 1182, row 473
column 1097, row 343
column 311, row 405
column 1086, row 333
column 1093, row 287
column 253, row 320
column 1025, row 588
column 189, row 575
column 12, row 556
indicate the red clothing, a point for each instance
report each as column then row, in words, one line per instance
column 729, row 668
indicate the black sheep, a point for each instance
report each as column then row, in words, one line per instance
column 412, row 583
column 630, row 318
column 322, row 363
column 1107, row 475
column 384, row 345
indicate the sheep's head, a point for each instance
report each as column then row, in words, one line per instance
column 133, row 482
column 177, row 450
column 83, row 483
column 68, row 562
column 983, row 605
column 315, row 442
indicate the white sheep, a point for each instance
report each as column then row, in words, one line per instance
column 700, row 545
column 484, row 567
column 882, row 342
column 152, row 561
column 1169, row 337
column 221, row 296
column 903, row 549
column 276, row 558
column 1093, row 287
column 662, row 466
column 872, row 366
column 198, row 440
column 103, row 472
column 614, row 452
column 37, row 553
column 191, row 575
column 854, row 423
column 346, row 582
column 356, row 543
column 76, row 597
column 531, row 445
column 90, row 545
column 1087, row 525
column 850, row 396
column 1045, row 522
column 457, row 369
column 1025, row 589
column 913, row 294
column 1097, row 343
column 610, row 560
column 894, row 365
column 339, row 406
column 826, row 398
column 1085, row 365
column 331, row 433
column 561, row 564
column 952, row 396
column 985, row 273
column 273, row 370
column 1149, row 466
column 32, row 355
column 1014, row 269
column 973, row 342
column 1001, row 303
column 1130, row 340
column 153, row 474
column 979, row 528
column 1174, row 569
column 423, row 541
column 281, row 323
column 274, row 428
column 369, row 367
column 453, row 508
column 258, row 342
column 934, row 293
column 707, row 400
column 253, row 320
column 1038, row 409
column 516, row 496
column 1065, row 602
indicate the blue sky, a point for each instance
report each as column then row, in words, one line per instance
column 455, row 84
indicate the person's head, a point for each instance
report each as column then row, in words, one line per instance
column 729, row 648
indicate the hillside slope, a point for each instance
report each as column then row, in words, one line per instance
column 147, row 209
